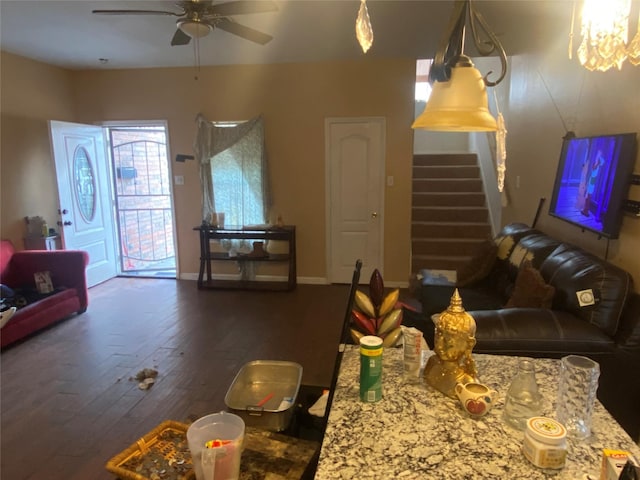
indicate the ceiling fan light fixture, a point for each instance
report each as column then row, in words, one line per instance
column 194, row 28
column 459, row 105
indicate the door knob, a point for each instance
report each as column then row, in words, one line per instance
column 374, row 215
column 64, row 211
column 66, row 223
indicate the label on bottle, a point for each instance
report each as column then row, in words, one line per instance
column 370, row 368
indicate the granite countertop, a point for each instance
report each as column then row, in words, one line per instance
column 416, row 432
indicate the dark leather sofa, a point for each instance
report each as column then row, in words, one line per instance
column 607, row 330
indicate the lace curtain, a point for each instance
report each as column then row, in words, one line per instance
column 233, row 171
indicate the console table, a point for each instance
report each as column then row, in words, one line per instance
column 416, row 432
column 208, row 233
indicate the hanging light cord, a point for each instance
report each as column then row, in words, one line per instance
column 555, row 105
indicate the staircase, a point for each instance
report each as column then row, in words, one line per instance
column 449, row 217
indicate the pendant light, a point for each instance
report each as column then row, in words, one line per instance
column 458, row 101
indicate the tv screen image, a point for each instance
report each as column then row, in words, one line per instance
column 592, row 181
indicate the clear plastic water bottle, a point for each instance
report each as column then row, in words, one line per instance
column 523, row 399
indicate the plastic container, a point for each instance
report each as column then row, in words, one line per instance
column 370, row 368
column 264, row 392
column 545, row 442
column 215, row 443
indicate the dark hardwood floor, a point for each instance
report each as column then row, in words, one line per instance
column 68, row 404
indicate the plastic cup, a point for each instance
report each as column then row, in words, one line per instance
column 215, row 443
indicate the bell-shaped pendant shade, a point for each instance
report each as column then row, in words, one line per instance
column 459, row 105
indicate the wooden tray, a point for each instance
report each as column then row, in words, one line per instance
column 163, row 451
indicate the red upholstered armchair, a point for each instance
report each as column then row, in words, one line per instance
column 67, row 271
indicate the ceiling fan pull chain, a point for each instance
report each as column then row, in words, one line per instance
column 196, row 55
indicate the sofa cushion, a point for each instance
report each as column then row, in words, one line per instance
column 571, row 270
column 534, row 248
column 530, row 290
column 36, row 301
column 480, row 264
column 503, row 274
column 628, row 334
column 508, row 238
column 39, row 315
column 436, row 298
column 537, row 332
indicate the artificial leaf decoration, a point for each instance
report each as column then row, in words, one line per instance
column 377, row 314
column 376, row 287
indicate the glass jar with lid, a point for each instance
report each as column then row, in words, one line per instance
column 545, row 442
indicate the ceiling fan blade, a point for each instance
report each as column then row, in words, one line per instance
column 180, row 38
column 243, row 31
column 137, row 12
column 241, row 7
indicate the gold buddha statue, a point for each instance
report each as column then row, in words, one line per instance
column 454, row 340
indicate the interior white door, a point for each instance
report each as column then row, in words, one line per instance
column 84, row 194
column 355, row 162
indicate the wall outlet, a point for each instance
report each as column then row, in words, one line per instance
column 178, row 179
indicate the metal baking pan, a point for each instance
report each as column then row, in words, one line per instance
column 264, row 393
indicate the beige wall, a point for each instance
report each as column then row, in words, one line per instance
column 31, row 94
column 547, row 93
column 294, row 100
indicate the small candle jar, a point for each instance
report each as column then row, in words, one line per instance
column 545, row 442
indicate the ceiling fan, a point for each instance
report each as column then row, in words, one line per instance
column 197, row 18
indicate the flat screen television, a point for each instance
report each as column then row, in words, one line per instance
column 592, row 181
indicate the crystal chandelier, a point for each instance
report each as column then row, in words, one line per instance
column 364, row 32
column 605, row 32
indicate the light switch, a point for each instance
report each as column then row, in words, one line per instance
column 178, row 179
column 390, row 181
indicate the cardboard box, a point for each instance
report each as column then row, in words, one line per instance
column 613, row 461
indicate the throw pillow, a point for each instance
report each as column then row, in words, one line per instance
column 530, row 289
column 479, row 266
column 43, row 282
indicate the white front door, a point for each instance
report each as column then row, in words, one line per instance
column 355, row 149
column 84, row 194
